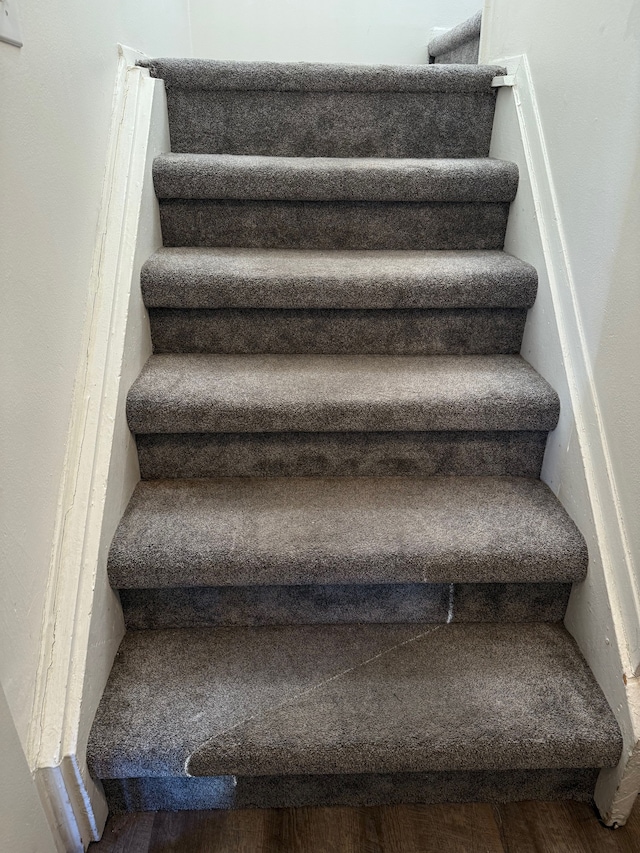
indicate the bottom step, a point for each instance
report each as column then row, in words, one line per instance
column 180, row 793
column 350, row 699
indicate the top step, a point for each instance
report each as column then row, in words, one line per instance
column 315, row 110
column 215, row 75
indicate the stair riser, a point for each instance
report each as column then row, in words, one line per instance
column 146, row 415
column 179, row 793
column 334, row 225
column 457, row 332
column 466, row 53
column 331, row 124
column 200, row 607
column 340, row 454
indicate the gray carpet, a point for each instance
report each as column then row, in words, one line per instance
column 272, row 393
column 423, row 603
column 311, row 110
column 461, row 331
column 176, row 793
column 297, row 530
column 350, row 699
column 276, row 278
column 335, row 454
column 224, row 176
column 240, row 223
column 211, row 75
column 460, row 44
column 342, row 579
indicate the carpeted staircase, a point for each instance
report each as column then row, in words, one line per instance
column 342, row 579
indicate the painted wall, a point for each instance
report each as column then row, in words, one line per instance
column 332, row 31
column 56, row 95
column 582, row 137
column 23, row 826
column 572, row 453
column 591, row 125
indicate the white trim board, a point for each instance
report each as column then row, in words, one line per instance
column 83, row 620
column 604, row 612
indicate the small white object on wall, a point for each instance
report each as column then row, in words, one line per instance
column 9, row 23
column 504, row 80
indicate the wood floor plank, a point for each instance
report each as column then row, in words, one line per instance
column 250, row 831
column 176, row 832
column 560, row 827
column 328, row 830
column 242, row 831
column 125, row 833
column 595, row 836
column 461, row 828
column 533, row 827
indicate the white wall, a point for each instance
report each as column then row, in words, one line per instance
column 582, row 138
column 23, row 826
column 591, row 123
column 393, row 31
column 56, row 95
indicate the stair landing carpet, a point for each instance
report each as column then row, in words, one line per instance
column 342, row 577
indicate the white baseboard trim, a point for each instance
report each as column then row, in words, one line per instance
column 617, row 788
column 83, row 623
column 75, row 809
column 607, row 629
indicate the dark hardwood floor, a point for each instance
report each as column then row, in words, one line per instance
column 559, row 827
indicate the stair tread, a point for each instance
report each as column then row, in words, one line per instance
column 271, row 393
column 327, row 530
column 350, row 699
column 206, row 74
column 290, row 278
column 381, row 179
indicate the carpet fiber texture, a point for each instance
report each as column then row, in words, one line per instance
column 176, row 793
column 223, row 176
column 316, row 699
column 310, row 110
column 289, row 278
column 461, row 331
column 460, row 44
column 207, row 75
column 245, row 223
column 299, row 530
column 335, row 454
column 202, row 607
column 272, row 393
